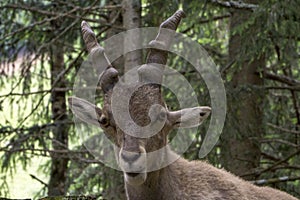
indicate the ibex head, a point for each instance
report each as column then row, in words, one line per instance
column 148, row 115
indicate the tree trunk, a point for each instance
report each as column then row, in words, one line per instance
column 240, row 145
column 116, row 18
column 131, row 20
column 59, row 165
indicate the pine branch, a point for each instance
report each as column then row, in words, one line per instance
column 276, row 140
column 295, row 88
column 78, row 155
column 275, row 180
column 38, row 23
column 68, row 14
column 39, row 180
column 48, row 91
column 283, row 129
column 297, row 152
column 281, row 161
column 235, row 5
column 283, row 79
column 203, row 21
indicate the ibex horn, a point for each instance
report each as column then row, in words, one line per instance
column 158, row 52
column 109, row 75
column 164, row 39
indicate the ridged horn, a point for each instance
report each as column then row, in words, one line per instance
column 109, row 75
column 164, row 39
column 158, row 53
column 89, row 37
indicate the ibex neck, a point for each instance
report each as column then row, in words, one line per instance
column 156, row 185
column 146, row 191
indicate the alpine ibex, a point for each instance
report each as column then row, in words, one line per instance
column 181, row 179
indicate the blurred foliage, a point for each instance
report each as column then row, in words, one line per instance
column 25, row 114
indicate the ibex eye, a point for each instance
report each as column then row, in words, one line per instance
column 162, row 115
column 103, row 121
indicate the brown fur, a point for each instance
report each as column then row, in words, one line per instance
column 199, row 180
column 180, row 179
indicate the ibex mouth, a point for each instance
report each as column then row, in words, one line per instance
column 132, row 174
column 135, row 178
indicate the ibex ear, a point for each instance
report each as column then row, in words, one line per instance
column 189, row 117
column 84, row 110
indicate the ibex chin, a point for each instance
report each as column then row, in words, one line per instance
column 181, row 179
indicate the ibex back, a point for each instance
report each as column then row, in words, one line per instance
column 181, row 179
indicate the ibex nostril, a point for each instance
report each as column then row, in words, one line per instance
column 130, row 157
column 202, row 114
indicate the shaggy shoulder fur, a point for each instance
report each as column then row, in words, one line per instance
column 184, row 180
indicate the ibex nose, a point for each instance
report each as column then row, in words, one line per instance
column 130, row 157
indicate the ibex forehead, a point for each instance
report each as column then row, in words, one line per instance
column 137, row 100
